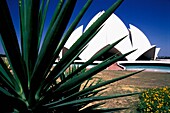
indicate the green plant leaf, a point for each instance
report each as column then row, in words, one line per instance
column 84, row 38
column 29, row 34
column 8, row 81
column 83, row 76
column 42, row 18
column 86, row 100
column 46, row 86
column 89, row 89
column 13, row 101
column 91, row 60
column 93, row 71
column 63, row 64
column 32, row 85
column 49, row 45
column 11, row 47
column 73, row 26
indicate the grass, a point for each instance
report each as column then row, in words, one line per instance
column 136, row 83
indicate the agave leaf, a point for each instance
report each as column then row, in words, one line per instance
column 50, row 42
column 83, row 76
column 42, row 17
column 5, row 78
column 7, row 83
column 77, row 88
column 92, row 93
column 32, row 87
column 92, row 71
column 81, row 41
column 11, row 47
column 91, row 60
column 52, row 105
column 89, row 89
column 110, row 81
column 63, row 64
column 67, row 57
column 30, row 28
column 71, row 91
column 68, row 71
column 73, row 26
column 97, row 24
column 93, row 28
column 12, row 100
column 49, row 45
column 29, row 36
column 55, row 15
column 99, row 85
column 45, row 86
column 21, row 15
column 2, row 90
column 5, row 72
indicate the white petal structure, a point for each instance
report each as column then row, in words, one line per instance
column 93, row 19
column 113, row 29
column 72, row 39
column 145, row 51
column 156, row 52
column 74, row 36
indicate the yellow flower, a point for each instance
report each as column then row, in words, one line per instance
column 147, row 96
column 145, row 100
column 148, row 109
column 152, row 102
column 160, row 105
column 148, row 104
column 157, row 111
column 154, row 98
column 156, row 95
column 165, row 88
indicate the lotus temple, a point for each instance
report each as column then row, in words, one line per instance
column 113, row 30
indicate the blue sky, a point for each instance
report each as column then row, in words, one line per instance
column 152, row 17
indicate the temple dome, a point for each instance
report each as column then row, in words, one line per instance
column 114, row 29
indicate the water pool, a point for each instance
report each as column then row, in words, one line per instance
column 148, row 66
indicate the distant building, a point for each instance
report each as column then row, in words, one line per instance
column 114, row 29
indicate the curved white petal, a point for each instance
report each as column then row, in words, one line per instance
column 74, row 37
column 139, row 40
column 113, row 30
column 156, row 52
column 94, row 19
column 149, row 53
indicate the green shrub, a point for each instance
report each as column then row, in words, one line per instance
column 155, row 100
column 33, row 84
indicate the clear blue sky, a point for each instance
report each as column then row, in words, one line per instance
column 152, row 17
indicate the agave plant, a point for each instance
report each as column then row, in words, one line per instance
column 32, row 85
